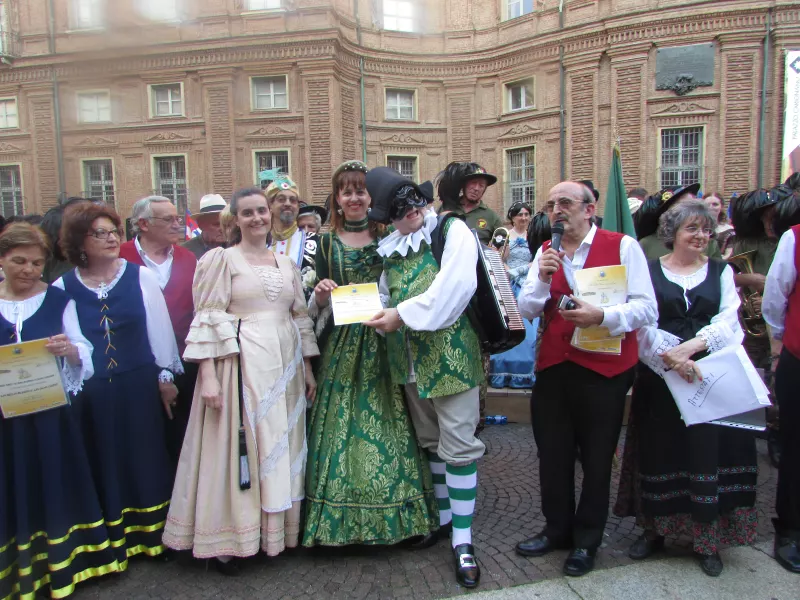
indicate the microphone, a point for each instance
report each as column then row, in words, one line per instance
column 556, row 231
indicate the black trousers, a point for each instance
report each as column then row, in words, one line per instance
column 176, row 428
column 574, row 406
column 787, row 388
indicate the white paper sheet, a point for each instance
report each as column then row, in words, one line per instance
column 730, row 386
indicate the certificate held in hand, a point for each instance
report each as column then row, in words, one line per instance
column 355, row 303
column 30, row 379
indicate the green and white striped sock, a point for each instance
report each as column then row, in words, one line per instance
column 462, row 486
column 440, row 488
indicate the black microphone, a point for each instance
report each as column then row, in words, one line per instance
column 556, row 231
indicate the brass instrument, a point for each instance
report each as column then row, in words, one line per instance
column 751, row 318
column 500, row 240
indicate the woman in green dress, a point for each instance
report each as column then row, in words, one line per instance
column 366, row 480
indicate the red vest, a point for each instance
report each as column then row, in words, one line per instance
column 178, row 292
column 555, row 347
column 791, row 331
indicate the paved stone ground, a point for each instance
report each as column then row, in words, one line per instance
column 508, row 511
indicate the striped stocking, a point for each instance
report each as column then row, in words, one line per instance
column 440, row 488
column 462, row 485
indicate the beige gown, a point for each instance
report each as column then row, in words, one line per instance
column 209, row 513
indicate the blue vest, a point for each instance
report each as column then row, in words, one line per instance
column 47, row 321
column 116, row 326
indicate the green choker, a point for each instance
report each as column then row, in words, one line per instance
column 356, row 226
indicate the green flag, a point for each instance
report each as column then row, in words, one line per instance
column 617, row 216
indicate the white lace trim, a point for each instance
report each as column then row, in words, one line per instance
column 73, row 376
column 271, row 396
column 103, row 290
column 714, row 339
column 319, row 316
column 687, row 282
column 653, row 360
column 299, row 462
column 271, row 280
column 282, row 447
column 402, row 243
column 166, row 376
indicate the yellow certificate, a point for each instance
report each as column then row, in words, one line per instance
column 30, row 379
column 601, row 287
column 355, row 303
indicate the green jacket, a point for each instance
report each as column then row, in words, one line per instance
column 484, row 221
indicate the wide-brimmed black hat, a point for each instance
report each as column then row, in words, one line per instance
column 312, row 209
column 426, row 188
column 475, row 171
column 787, row 214
column 746, row 213
column 590, row 184
column 383, row 184
column 538, row 231
column 645, row 220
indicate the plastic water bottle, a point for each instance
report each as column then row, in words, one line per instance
column 496, row 420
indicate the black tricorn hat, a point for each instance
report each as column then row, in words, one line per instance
column 382, row 185
column 589, row 184
column 427, row 190
column 310, row 209
column 645, row 220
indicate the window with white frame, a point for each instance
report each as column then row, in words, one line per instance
column 8, row 113
column 159, row 10
column 521, row 175
column 94, row 107
column 517, row 8
column 11, row 191
column 263, row 4
column 170, row 180
column 405, row 165
column 86, row 14
column 681, row 156
column 400, row 105
column 167, row 100
column 398, row 15
column 98, row 176
column 269, row 93
column 519, row 95
column 276, row 161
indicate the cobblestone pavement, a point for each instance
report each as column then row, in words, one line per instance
column 508, row 511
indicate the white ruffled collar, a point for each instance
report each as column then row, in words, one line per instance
column 399, row 243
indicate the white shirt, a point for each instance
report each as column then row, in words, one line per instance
column 452, row 288
column 781, row 280
column 17, row 312
column 641, row 308
column 292, row 247
column 723, row 331
column 159, row 326
column 163, row 270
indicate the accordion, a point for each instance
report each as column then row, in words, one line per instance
column 493, row 311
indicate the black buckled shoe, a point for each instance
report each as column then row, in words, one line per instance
column 645, row 547
column 787, row 553
column 711, row 564
column 468, row 573
column 579, row 562
column 538, row 545
column 432, row 538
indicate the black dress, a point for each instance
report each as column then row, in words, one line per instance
column 698, row 480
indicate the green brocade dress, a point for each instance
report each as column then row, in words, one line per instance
column 367, row 481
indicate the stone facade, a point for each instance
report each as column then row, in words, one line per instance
column 455, row 67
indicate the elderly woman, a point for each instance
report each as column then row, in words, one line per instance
column 240, row 475
column 700, row 480
column 52, row 533
column 311, row 217
column 124, row 407
column 514, row 368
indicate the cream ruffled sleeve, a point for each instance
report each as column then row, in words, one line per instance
column 213, row 330
column 300, row 316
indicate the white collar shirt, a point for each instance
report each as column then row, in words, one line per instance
column 162, row 271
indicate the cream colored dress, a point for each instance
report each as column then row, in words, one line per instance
column 210, row 513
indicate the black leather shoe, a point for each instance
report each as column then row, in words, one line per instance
column 787, row 553
column 538, row 546
column 711, row 564
column 468, row 573
column 229, row 568
column 645, row 547
column 432, row 538
column 579, row 562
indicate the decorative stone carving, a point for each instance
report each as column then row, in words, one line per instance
column 402, row 138
column 684, row 107
column 95, row 141
column 169, row 136
column 9, row 148
column 520, row 130
column 269, row 131
column 685, row 68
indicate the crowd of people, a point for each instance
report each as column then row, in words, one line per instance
column 215, row 407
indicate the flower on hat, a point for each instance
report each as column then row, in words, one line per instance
column 666, row 195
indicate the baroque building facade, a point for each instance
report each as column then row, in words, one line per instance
column 116, row 99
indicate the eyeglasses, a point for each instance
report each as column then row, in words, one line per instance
column 102, row 234
column 694, row 229
column 168, row 220
column 563, row 204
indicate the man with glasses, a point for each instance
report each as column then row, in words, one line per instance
column 158, row 229
column 579, row 396
column 283, row 198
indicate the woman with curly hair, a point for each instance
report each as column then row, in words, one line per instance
column 124, row 406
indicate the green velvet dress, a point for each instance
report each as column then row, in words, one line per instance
column 367, row 481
